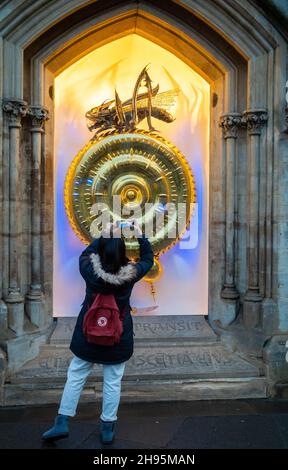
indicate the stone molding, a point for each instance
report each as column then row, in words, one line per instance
column 252, row 120
column 230, row 123
column 286, row 109
column 35, row 297
column 255, row 120
column 16, row 110
column 38, row 115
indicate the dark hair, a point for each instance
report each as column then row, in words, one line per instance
column 112, row 252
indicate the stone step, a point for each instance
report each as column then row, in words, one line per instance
column 148, row 362
column 139, row 390
column 175, row 358
column 158, row 329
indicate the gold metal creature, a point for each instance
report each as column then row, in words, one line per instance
column 123, row 117
column 140, row 166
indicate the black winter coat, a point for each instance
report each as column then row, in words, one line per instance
column 121, row 285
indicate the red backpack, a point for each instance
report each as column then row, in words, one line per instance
column 103, row 321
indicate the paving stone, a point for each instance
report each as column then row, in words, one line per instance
column 144, row 426
column 228, row 432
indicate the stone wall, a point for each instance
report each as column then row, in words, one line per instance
column 240, row 48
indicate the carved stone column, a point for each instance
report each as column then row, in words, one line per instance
column 255, row 120
column 230, row 123
column 286, row 109
column 34, row 298
column 15, row 109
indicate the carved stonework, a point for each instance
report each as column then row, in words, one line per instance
column 38, row 115
column 16, row 109
column 286, row 109
column 255, row 120
column 229, row 292
column 35, row 299
column 230, row 124
column 159, row 360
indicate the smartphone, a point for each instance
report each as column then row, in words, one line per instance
column 124, row 224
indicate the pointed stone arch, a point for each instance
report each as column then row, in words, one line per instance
column 240, row 53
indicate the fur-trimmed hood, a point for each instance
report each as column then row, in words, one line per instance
column 125, row 274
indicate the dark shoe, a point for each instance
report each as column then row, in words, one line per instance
column 107, row 433
column 59, row 430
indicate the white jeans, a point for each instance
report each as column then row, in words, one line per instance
column 77, row 374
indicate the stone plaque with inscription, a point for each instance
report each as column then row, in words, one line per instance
column 154, row 328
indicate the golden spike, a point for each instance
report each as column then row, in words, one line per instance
column 119, row 109
column 148, row 84
column 142, row 75
column 153, row 292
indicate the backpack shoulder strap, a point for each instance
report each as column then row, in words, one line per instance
column 123, row 311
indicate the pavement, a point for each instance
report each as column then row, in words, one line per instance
column 232, row 424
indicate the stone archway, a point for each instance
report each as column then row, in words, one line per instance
column 240, row 62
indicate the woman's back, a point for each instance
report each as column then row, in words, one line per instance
column 119, row 283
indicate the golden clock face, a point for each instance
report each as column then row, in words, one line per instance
column 141, row 167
